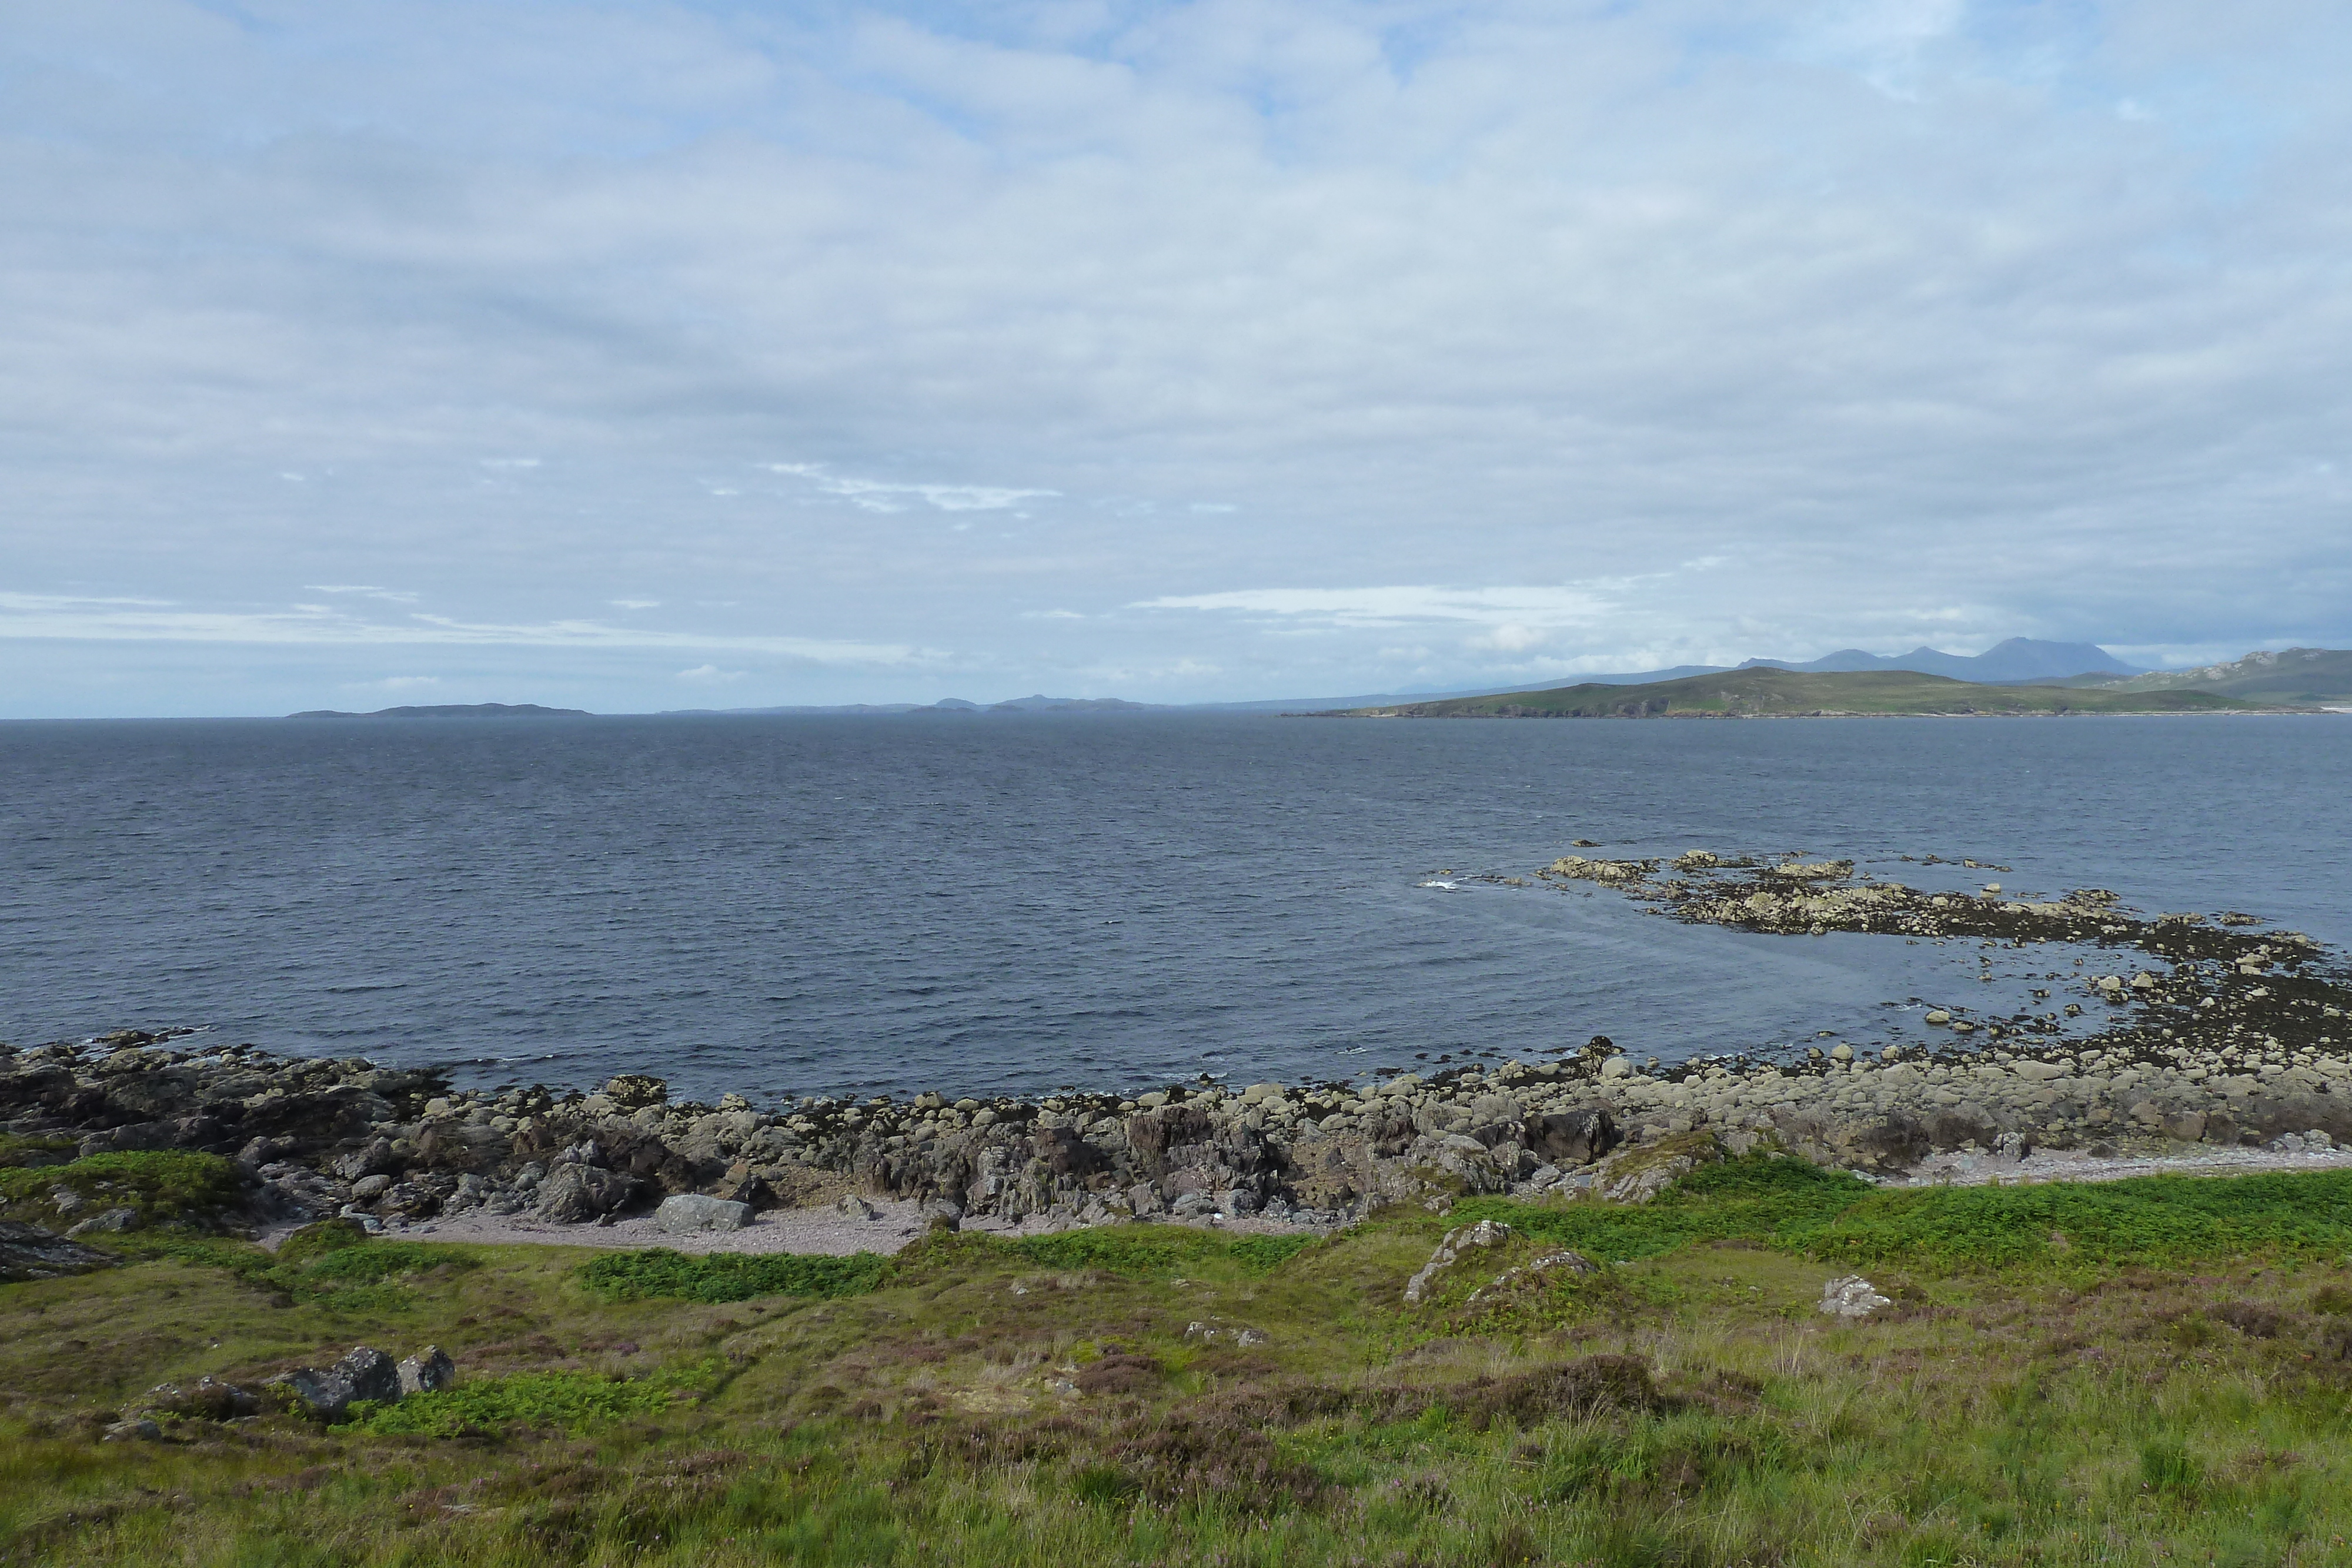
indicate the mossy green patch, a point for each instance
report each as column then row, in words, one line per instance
column 659, row 1272
column 569, row 1402
column 164, row 1186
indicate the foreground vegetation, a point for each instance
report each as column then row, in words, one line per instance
column 2152, row 1371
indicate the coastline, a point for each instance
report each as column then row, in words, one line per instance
column 2217, row 1036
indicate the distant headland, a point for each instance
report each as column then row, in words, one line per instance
column 454, row 710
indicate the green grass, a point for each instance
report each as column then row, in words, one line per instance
column 569, row 1402
column 1787, row 1203
column 165, row 1187
column 657, row 1272
column 2171, row 1384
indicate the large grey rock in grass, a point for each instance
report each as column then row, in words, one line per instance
column 363, row 1374
column 427, row 1370
column 30, row 1252
column 690, row 1211
column 1850, row 1296
column 1460, row 1239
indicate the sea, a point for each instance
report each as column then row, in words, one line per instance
column 992, row 904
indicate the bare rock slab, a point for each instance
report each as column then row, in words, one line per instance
column 693, row 1211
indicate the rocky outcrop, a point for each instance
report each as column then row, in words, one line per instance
column 33, row 1252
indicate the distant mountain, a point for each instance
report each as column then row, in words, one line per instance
column 1764, row 691
column 2018, row 659
column 2300, row 676
column 456, row 710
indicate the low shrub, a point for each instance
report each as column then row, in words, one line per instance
column 164, row 1186
column 569, row 1401
column 657, row 1272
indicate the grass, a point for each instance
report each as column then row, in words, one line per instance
column 163, row 1187
column 2147, row 1372
column 658, row 1273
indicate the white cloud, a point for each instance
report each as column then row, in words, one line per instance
column 710, row 675
column 394, row 684
column 1751, row 330
column 389, row 595
column 634, row 603
column 1565, row 605
column 131, row 620
column 881, row 496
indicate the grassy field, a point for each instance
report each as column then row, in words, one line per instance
column 1767, row 692
column 2146, row 1372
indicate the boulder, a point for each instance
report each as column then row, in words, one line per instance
column 1461, row 1239
column 114, row 1220
column 1570, row 1137
column 204, row 1399
column 363, row 1374
column 1850, row 1296
column 427, row 1370
column 30, row 1252
column 574, row 1192
column 691, row 1211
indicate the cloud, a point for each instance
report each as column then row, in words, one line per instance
column 130, row 620
column 1503, row 608
column 389, row 595
column 394, row 684
column 880, row 496
column 710, row 675
column 1921, row 320
column 634, row 603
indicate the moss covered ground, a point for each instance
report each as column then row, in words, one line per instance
column 2145, row 1372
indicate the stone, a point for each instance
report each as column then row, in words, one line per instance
column 369, row 1189
column 633, row 1091
column 573, row 1193
column 361, row 1373
column 113, row 1221
column 858, row 1208
column 139, row 1429
column 1485, row 1233
column 1850, row 1296
column 693, row 1211
column 428, row 1370
column 1570, row 1137
column 204, row 1399
column 31, row 1252
column 2188, row 1126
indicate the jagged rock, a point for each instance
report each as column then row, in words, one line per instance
column 30, row 1252
column 114, row 1221
column 1851, row 1296
column 690, row 1211
column 572, row 1192
column 138, row 1429
column 1638, row 1174
column 1485, row 1233
column 856, row 1208
column 635, row 1091
column 1572, row 1137
column 427, row 1370
column 204, row 1399
column 361, row 1373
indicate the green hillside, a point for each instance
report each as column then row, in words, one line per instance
column 1785, row 693
column 2297, row 678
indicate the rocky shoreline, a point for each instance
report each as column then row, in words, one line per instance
column 2213, row 1032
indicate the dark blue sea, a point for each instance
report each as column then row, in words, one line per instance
column 1000, row 903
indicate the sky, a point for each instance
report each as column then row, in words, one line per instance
column 647, row 356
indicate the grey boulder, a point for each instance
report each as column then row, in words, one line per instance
column 427, row 1370
column 690, row 1211
column 574, row 1192
column 363, row 1374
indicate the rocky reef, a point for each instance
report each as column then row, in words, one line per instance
column 2203, row 1030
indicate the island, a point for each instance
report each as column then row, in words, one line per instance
column 1765, row 693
